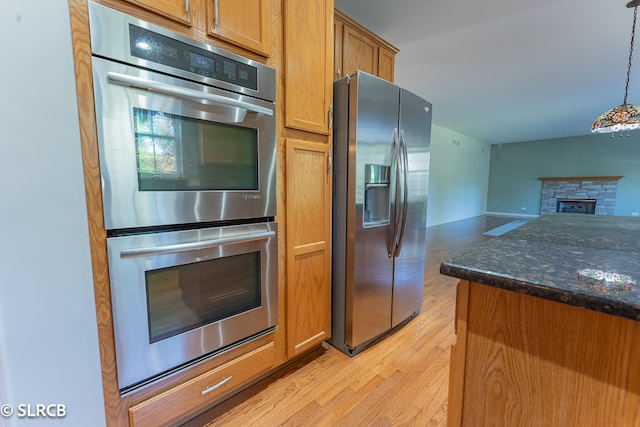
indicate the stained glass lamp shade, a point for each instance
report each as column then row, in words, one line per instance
column 624, row 117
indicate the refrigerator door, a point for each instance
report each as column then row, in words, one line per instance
column 414, row 134
column 373, row 123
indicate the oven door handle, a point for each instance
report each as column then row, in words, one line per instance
column 195, row 246
column 171, row 90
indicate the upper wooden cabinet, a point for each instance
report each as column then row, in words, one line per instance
column 242, row 22
column 308, row 64
column 357, row 48
column 179, row 10
column 386, row 63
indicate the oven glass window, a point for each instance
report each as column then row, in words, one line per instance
column 186, row 297
column 176, row 153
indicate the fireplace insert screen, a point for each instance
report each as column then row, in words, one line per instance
column 583, row 206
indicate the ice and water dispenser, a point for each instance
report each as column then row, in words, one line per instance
column 376, row 195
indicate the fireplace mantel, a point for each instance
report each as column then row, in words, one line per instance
column 583, row 178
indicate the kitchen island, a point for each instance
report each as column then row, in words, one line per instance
column 548, row 325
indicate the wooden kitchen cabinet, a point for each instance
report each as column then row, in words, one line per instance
column 308, row 59
column 521, row 360
column 183, row 400
column 308, row 90
column 308, row 214
column 179, row 10
column 296, row 38
column 359, row 52
column 245, row 23
column 386, row 63
column 357, row 48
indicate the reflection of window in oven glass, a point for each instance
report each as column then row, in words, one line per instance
column 157, row 143
column 177, row 153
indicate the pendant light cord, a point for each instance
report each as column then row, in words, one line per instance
column 633, row 35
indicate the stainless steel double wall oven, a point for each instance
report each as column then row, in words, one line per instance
column 188, row 166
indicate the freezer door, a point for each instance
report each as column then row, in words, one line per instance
column 373, row 122
column 414, row 134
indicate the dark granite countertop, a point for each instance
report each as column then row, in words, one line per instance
column 545, row 257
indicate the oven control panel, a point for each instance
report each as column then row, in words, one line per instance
column 154, row 47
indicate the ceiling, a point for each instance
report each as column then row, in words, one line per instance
column 505, row 71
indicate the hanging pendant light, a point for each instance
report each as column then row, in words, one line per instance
column 624, row 116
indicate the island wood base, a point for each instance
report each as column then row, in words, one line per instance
column 521, row 360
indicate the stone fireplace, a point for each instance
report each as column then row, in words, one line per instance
column 581, row 194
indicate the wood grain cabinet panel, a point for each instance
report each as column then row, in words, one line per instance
column 358, row 48
column 359, row 52
column 245, row 23
column 178, row 10
column 338, row 31
column 386, row 63
column 308, row 64
column 521, row 360
column 308, row 245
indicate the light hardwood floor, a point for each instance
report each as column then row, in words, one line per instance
column 401, row 380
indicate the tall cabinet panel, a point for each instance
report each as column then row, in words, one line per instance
column 308, row 64
column 308, row 79
column 308, row 245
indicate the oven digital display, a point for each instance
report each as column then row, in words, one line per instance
column 202, row 62
column 154, row 47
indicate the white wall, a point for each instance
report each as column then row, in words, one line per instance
column 48, row 336
column 458, row 176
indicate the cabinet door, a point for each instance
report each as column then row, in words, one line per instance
column 178, row 10
column 308, row 64
column 245, row 23
column 386, row 62
column 338, row 31
column 359, row 52
column 308, row 215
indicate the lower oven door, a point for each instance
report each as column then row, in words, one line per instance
column 178, row 296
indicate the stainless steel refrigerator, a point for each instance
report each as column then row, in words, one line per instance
column 381, row 175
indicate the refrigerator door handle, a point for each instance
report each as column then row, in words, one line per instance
column 405, row 191
column 396, row 218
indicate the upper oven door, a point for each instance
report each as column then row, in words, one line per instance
column 177, row 152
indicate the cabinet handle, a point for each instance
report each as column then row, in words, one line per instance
column 339, row 73
column 330, row 165
column 216, row 15
column 331, row 116
column 186, row 6
column 220, row 384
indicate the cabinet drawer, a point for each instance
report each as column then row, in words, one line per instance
column 188, row 397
